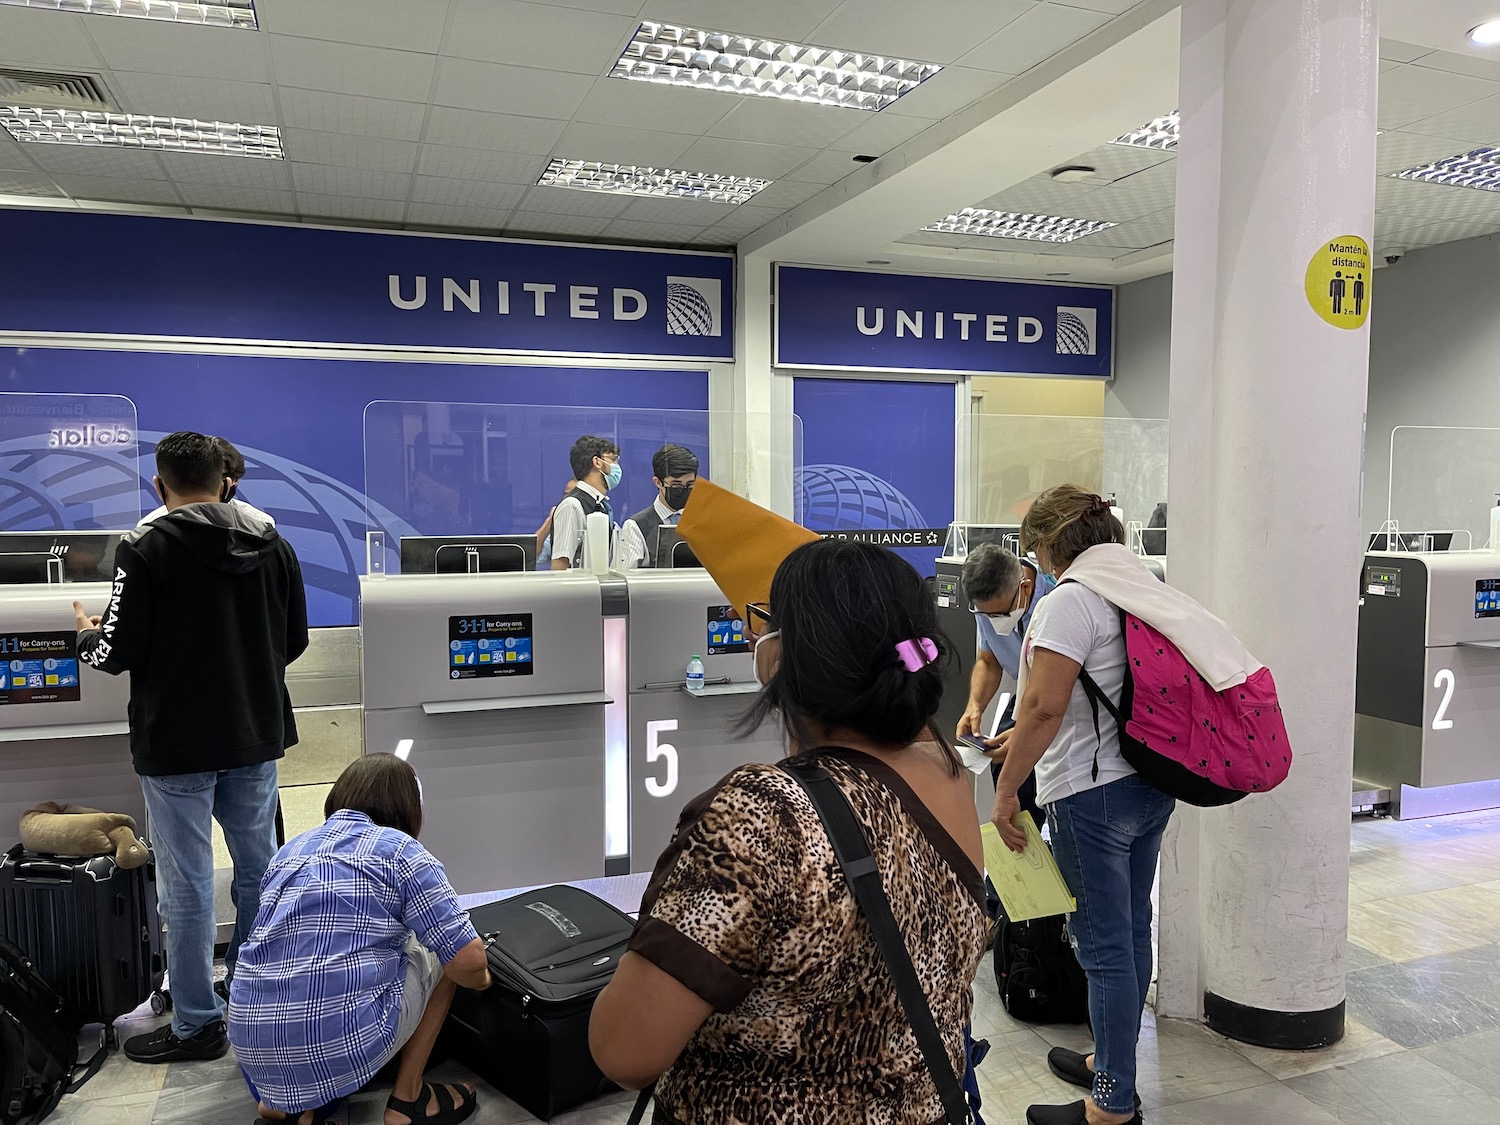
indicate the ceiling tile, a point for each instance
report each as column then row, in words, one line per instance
column 378, row 154
column 953, row 88
column 676, row 109
column 120, row 189
column 344, row 113
column 746, row 219
column 1397, row 51
column 781, row 122
column 1459, row 229
column 13, row 155
column 157, row 47
column 786, row 194
column 1477, row 123
column 518, row 90
column 712, row 239
column 824, row 168
column 40, row 38
column 1462, row 64
column 347, row 68
column 1434, row 203
column 573, row 226
column 770, row 19
column 314, row 206
column 434, row 191
column 1113, row 7
column 743, row 158
column 453, row 162
column 1041, row 195
column 86, row 161
column 880, row 133
column 471, row 129
column 1115, row 162
column 443, row 215
column 1141, row 194
column 574, row 201
column 695, row 213
column 28, row 183
column 662, row 233
column 1414, row 94
column 409, row 25
column 507, row 31
column 322, row 179
column 1398, row 150
column 238, row 199
column 917, row 31
column 932, row 238
column 1033, row 38
column 174, row 95
column 618, row 145
column 615, row 7
column 263, row 175
column 1396, row 231
column 1149, row 230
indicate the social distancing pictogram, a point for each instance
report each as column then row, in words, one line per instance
column 1338, row 281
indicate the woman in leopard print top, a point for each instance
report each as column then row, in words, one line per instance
column 754, row 989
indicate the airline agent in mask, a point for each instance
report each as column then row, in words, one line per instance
column 596, row 466
column 675, row 471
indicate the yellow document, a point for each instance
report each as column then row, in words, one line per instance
column 1029, row 883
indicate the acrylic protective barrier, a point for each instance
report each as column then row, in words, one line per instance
column 1016, row 457
column 70, row 463
column 467, row 469
column 1444, row 479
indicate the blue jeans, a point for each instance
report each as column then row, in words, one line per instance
column 182, row 808
column 1106, row 841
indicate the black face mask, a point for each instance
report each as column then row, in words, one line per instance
column 676, row 496
column 226, row 494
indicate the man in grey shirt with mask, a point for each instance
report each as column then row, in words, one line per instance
column 675, row 471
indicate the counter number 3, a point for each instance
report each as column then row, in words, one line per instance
column 657, row 749
column 1445, row 680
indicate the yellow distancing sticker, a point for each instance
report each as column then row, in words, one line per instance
column 1338, row 281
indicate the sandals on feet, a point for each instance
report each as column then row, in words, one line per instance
column 450, row 1110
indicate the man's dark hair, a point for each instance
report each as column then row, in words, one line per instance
column 673, row 461
column 189, row 462
column 585, row 449
column 384, row 788
column 234, row 461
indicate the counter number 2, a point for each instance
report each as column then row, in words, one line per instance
column 657, row 749
column 1445, row 680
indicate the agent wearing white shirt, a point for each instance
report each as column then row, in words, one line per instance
column 675, row 469
column 596, row 465
column 234, row 472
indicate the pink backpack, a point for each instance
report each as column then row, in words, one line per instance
column 1201, row 746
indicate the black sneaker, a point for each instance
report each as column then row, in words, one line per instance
column 162, row 1046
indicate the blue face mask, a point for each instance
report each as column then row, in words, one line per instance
column 612, row 478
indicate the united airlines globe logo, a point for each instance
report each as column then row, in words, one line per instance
column 843, row 498
column 694, row 306
column 1076, row 330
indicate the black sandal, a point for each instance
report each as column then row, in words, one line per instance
column 450, row 1111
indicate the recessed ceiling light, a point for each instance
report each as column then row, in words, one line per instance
column 743, row 64
column 132, row 130
column 1478, row 169
column 592, row 175
column 1008, row 224
column 1072, row 174
column 1160, row 133
column 232, row 13
column 1486, row 34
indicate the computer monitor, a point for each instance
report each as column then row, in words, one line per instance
column 1411, row 541
column 23, row 569
column 87, row 556
column 467, row 554
column 1000, row 535
column 673, row 551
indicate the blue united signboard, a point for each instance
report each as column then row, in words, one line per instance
column 850, row 320
column 144, row 277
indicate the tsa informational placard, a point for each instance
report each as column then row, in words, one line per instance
column 39, row 668
column 483, row 645
column 141, row 276
column 850, row 320
column 726, row 631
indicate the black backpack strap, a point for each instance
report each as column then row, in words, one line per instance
column 641, row 1102
column 863, row 876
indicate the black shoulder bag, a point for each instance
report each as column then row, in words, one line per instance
column 863, row 876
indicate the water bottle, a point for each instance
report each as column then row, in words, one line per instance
column 694, row 681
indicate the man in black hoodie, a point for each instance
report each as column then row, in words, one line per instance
column 206, row 612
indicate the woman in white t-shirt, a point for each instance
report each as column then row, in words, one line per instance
column 1106, row 823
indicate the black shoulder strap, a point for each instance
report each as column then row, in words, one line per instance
column 863, row 876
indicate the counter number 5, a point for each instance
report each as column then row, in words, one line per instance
column 656, row 749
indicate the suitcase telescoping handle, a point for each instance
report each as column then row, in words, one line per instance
column 37, row 870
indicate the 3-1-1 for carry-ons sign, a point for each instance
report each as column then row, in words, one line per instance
column 1338, row 281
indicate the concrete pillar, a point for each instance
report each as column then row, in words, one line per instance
column 1276, row 165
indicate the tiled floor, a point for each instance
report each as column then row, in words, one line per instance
column 1424, row 1028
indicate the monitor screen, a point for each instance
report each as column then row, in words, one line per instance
column 87, row 556
column 26, row 569
column 469, row 554
column 672, row 550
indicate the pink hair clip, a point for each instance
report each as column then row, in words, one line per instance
column 917, row 653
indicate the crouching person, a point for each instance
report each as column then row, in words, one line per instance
column 355, row 955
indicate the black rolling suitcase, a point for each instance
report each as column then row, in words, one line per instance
column 551, row 952
column 90, row 927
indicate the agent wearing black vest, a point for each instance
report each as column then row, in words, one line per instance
column 596, row 465
column 675, row 469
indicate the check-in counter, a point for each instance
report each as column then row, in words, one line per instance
column 493, row 684
column 1427, row 691
column 682, row 743
column 64, row 725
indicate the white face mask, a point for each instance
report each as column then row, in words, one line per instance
column 1005, row 624
column 763, row 675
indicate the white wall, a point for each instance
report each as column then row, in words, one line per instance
column 1143, row 347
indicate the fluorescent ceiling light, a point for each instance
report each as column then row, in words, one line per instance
column 1486, row 34
column 742, row 64
column 132, row 130
column 592, row 175
column 1008, row 224
column 233, row 13
column 1160, row 133
column 1478, row 169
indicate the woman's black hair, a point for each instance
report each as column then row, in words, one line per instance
column 841, row 609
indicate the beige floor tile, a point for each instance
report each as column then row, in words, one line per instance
column 1386, row 875
column 1398, row 933
column 1359, row 1043
column 1403, row 1089
column 1474, row 909
column 129, row 1109
column 119, row 1076
column 1272, row 1104
column 1015, row 1075
column 1462, row 859
column 1185, row 1062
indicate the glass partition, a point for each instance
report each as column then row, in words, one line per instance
column 68, row 463
column 490, row 474
column 1443, row 483
column 1015, row 457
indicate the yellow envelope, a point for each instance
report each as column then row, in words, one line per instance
column 1029, row 883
